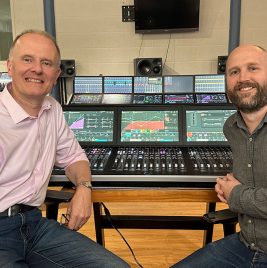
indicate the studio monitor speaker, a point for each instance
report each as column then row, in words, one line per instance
column 67, row 68
column 147, row 66
column 221, row 66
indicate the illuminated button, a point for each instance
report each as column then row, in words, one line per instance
column 249, row 165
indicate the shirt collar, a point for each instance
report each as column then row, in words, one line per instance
column 239, row 121
column 17, row 113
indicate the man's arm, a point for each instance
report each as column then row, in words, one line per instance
column 81, row 204
column 241, row 198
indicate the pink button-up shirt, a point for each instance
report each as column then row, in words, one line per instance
column 29, row 148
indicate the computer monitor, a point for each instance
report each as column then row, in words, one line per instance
column 4, row 79
column 205, row 125
column 210, row 83
column 149, row 126
column 87, row 84
column 91, row 126
column 178, row 84
column 118, row 84
column 148, row 85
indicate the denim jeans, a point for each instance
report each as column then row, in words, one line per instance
column 225, row 253
column 28, row 240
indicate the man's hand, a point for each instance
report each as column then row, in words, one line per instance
column 224, row 186
column 80, row 208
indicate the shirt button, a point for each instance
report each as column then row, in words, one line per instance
column 249, row 221
column 252, row 244
column 249, row 165
column 250, row 139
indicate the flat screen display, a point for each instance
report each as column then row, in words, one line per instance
column 91, row 126
column 86, row 99
column 178, row 98
column 178, row 84
column 206, row 125
column 210, row 83
column 4, row 79
column 148, row 85
column 118, row 84
column 211, row 98
column 117, row 99
column 158, row 16
column 149, row 126
column 147, row 99
column 87, row 84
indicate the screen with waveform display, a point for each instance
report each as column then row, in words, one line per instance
column 147, row 85
column 206, row 125
column 118, row 84
column 4, row 79
column 178, row 84
column 149, row 126
column 87, row 84
column 91, row 126
column 213, row 83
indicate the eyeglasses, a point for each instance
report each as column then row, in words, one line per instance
column 64, row 219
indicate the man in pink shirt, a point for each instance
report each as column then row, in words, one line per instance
column 34, row 137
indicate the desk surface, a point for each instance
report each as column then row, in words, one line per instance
column 153, row 195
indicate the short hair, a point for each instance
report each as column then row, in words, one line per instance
column 40, row 32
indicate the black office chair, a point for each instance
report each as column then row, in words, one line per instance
column 226, row 217
column 52, row 201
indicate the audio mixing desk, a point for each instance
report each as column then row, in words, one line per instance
column 151, row 131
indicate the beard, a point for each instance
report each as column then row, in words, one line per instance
column 248, row 103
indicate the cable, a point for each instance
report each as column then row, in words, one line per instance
column 166, row 53
column 111, row 222
column 139, row 53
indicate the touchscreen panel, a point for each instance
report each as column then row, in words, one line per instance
column 178, row 84
column 87, row 84
column 210, row 83
column 147, row 85
column 206, row 125
column 149, row 126
column 91, row 126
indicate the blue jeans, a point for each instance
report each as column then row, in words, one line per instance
column 28, row 240
column 225, row 253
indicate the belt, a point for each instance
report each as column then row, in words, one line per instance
column 15, row 209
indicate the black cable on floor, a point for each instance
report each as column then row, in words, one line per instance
column 111, row 222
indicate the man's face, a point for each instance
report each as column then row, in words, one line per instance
column 33, row 66
column 247, row 78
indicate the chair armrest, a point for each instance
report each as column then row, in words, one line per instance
column 58, row 196
column 221, row 216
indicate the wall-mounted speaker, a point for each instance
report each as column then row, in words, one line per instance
column 147, row 66
column 67, row 68
column 221, row 66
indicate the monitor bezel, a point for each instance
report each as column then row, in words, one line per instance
column 95, row 108
column 199, row 108
column 149, row 108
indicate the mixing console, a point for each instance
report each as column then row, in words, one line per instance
column 160, row 164
column 165, row 131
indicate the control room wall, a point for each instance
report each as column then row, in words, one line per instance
column 92, row 33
